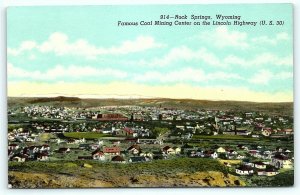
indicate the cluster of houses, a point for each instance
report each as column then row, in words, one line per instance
column 131, row 141
column 211, row 122
column 253, row 159
column 22, row 154
column 266, row 162
column 49, row 112
column 257, row 125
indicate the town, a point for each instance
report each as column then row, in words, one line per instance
column 246, row 143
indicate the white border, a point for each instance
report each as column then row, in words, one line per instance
column 145, row 191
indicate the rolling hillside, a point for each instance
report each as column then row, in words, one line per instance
column 284, row 108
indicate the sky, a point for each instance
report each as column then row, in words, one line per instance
column 81, row 51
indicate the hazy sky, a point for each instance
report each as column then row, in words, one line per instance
column 82, row 51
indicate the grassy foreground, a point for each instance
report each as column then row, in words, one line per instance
column 86, row 135
column 178, row 172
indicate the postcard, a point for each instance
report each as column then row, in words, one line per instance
column 150, row 96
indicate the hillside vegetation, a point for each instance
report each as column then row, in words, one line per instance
column 178, row 172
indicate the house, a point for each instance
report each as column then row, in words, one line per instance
column 30, row 139
column 136, row 159
column 147, row 154
column 94, row 146
column 42, row 156
column 261, row 172
column 281, row 161
column 244, row 170
column 279, row 149
column 13, row 147
column 231, row 152
column 11, row 137
column 45, row 147
column 240, row 156
column 288, row 131
column 168, row 150
column 210, row 154
column 260, row 165
column 19, row 158
column 23, row 133
column 266, row 132
column 221, row 150
column 118, row 159
column 98, row 155
column 271, row 172
column 177, row 150
column 125, row 132
column 112, row 150
column 134, row 149
column 268, row 172
column 106, row 131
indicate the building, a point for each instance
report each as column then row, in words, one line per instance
column 221, row 150
column 281, row 161
column 112, row 150
column 266, row 132
column 244, row 170
column 260, row 165
column 98, row 155
column 110, row 117
column 134, row 149
column 125, row 132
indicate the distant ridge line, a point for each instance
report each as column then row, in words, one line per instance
column 74, row 98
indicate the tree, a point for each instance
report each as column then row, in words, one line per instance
column 157, row 131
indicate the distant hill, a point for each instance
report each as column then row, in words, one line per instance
column 54, row 99
column 284, row 108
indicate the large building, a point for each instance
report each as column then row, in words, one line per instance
column 110, row 117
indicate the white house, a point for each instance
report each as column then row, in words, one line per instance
column 260, row 165
column 221, row 150
column 244, row 170
column 177, row 150
column 98, row 155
